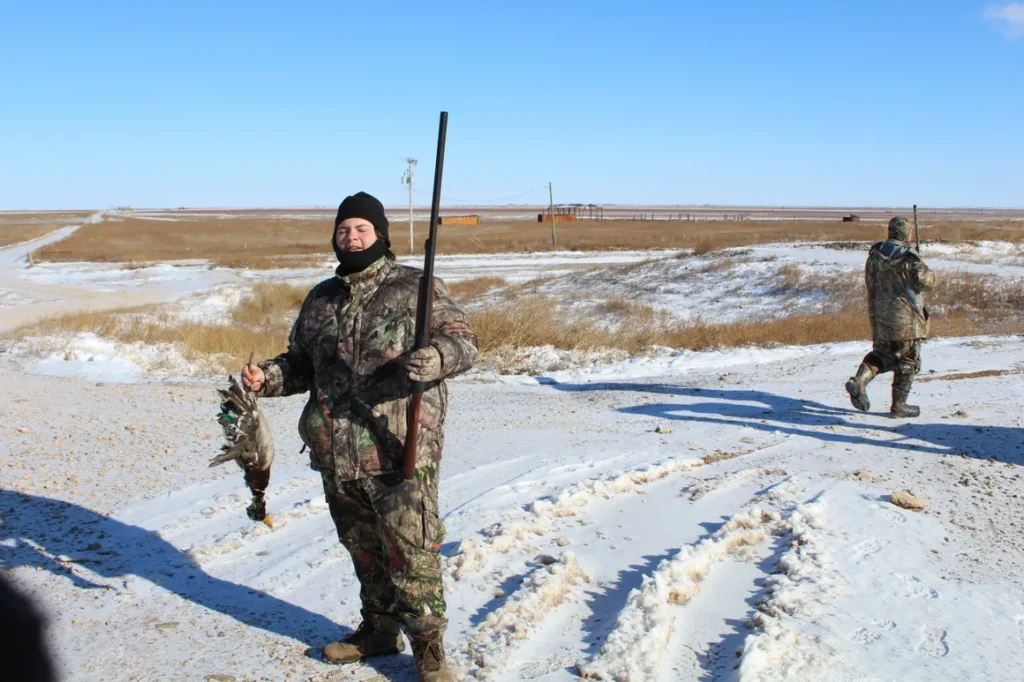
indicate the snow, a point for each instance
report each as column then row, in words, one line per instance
column 758, row 525
column 543, row 589
column 649, row 518
column 90, row 357
column 211, row 307
column 524, row 267
column 634, row 650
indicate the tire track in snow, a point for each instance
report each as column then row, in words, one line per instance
column 545, row 515
column 783, row 646
column 494, row 640
column 548, row 515
column 634, row 649
column 727, row 480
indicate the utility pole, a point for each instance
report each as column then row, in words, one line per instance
column 407, row 179
column 551, row 209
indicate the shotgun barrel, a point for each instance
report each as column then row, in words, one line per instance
column 425, row 305
column 917, row 235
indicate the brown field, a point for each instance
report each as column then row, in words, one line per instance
column 270, row 241
column 21, row 227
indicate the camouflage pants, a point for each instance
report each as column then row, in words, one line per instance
column 901, row 357
column 392, row 530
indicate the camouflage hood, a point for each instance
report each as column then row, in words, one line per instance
column 899, row 229
column 896, row 279
column 343, row 349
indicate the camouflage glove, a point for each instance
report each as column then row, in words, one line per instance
column 424, row 365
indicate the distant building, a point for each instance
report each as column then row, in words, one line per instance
column 458, row 220
column 563, row 214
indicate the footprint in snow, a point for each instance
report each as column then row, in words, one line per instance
column 866, row 548
column 892, row 514
column 863, row 636
column 933, row 642
column 915, row 588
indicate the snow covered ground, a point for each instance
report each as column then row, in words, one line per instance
column 751, row 540
column 715, row 516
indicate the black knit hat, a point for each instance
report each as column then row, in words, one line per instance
column 367, row 207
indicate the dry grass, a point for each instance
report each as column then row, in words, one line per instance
column 532, row 321
column 269, row 305
column 15, row 234
column 621, row 307
column 261, row 322
column 256, row 242
column 978, row 292
column 21, row 227
column 537, row 321
column 721, row 456
column 963, row 305
column 704, row 246
column 214, row 347
column 268, row 241
column 792, row 279
column 470, row 289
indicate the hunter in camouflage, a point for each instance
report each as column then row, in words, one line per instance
column 896, row 278
column 349, row 348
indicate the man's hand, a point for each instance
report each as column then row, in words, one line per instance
column 253, row 377
column 424, row 364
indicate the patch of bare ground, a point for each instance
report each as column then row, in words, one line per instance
column 962, row 376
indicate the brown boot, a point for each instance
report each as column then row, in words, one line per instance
column 374, row 637
column 900, row 391
column 857, row 386
column 430, row 661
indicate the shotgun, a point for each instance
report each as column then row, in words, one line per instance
column 424, row 306
column 917, row 235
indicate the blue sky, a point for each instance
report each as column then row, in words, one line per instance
column 285, row 104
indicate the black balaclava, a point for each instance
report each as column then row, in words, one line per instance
column 367, row 207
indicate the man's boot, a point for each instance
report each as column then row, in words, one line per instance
column 430, row 662
column 857, row 386
column 900, row 390
column 375, row 636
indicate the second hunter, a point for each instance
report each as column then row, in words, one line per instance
column 896, row 278
column 349, row 348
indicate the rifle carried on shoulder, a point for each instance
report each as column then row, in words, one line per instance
column 917, row 235
column 424, row 306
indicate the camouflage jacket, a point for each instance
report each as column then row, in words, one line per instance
column 342, row 349
column 895, row 278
